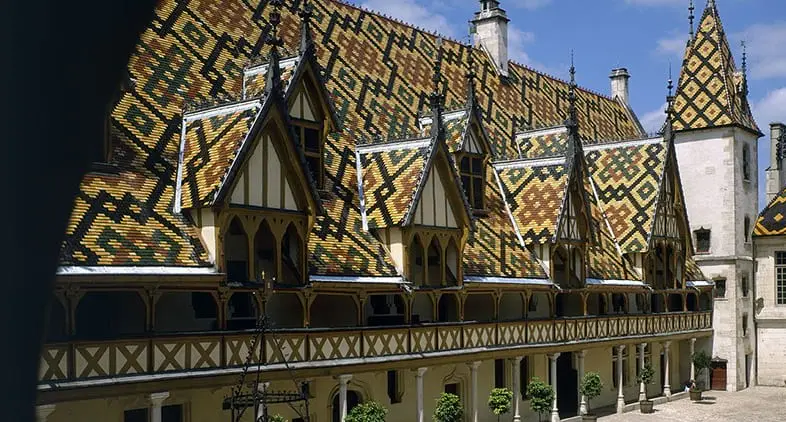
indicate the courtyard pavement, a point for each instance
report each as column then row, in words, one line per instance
column 759, row 404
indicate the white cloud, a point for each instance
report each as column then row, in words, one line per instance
column 657, row 2
column 766, row 51
column 528, row 4
column 413, row 13
column 653, row 120
column 771, row 108
column 673, row 46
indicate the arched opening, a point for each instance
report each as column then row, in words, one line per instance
column 416, row 262
column 479, row 307
column 353, row 399
column 539, row 306
column 382, row 310
column 569, row 304
column 452, row 263
column 110, row 315
column 619, row 303
column 657, row 304
column 448, row 309
column 435, row 264
column 637, row 303
column 242, row 311
column 511, row 307
column 596, row 304
column 56, row 326
column 422, row 308
column 292, row 257
column 329, row 311
column 265, row 254
column 285, row 310
column 705, row 302
column 675, row 302
column 693, row 302
column 186, row 311
column 236, row 252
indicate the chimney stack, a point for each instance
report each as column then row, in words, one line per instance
column 619, row 84
column 775, row 171
column 491, row 33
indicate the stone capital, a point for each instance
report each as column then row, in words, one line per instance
column 420, row 372
column 620, row 348
column 554, row 356
column 666, row 345
column 157, row 398
column 474, row 365
column 344, row 379
column 581, row 354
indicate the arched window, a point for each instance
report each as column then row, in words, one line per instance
column 353, row 399
column 265, row 253
column 236, row 252
column 746, row 162
column 452, row 263
column 291, row 257
column 435, row 264
column 416, row 262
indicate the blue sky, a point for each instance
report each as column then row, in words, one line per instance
column 643, row 35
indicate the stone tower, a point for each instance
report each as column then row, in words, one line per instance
column 716, row 139
column 491, row 33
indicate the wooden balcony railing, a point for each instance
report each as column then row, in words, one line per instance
column 84, row 360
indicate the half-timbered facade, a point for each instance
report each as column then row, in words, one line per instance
column 397, row 215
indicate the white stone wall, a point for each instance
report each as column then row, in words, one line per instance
column 770, row 317
column 718, row 198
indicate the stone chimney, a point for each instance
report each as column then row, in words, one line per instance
column 775, row 171
column 491, row 33
column 619, row 84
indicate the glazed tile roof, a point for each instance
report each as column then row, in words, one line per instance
column 772, row 219
column 627, row 179
column 197, row 50
column 390, row 179
column 255, row 77
column 707, row 94
column 210, row 147
column 551, row 142
column 456, row 124
column 534, row 194
column 692, row 271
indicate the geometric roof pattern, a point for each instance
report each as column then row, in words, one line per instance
column 196, row 51
column 255, row 77
column 210, row 147
column 711, row 92
column 627, row 178
column 772, row 219
column 551, row 142
column 456, row 124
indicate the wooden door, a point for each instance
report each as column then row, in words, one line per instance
column 718, row 376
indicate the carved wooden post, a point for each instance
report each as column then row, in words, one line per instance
column 309, row 297
column 360, row 302
column 223, row 296
column 150, row 297
column 73, row 294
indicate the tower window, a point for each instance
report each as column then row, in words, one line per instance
column 747, row 229
column 309, row 137
column 746, row 162
column 744, row 325
column 780, row 278
column 720, row 288
column 744, row 286
column 472, row 177
column 702, row 240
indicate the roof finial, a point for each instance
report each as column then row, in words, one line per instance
column 305, row 31
column 470, row 76
column 436, row 94
column 668, row 129
column 744, row 57
column 572, row 118
column 691, row 17
column 272, row 39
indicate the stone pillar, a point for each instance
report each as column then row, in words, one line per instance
column 156, row 400
column 554, row 408
column 473, row 375
column 419, row 373
column 620, row 379
column 516, row 388
column 262, row 388
column 666, row 381
column 582, row 398
column 642, row 386
column 692, row 366
column 43, row 412
column 343, row 380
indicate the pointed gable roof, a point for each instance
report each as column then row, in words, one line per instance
column 772, row 219
column 707, row 95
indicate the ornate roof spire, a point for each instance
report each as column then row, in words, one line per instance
column 572, row 121
column 668, row 130
column 305, row 30
column 691, row 17
column 436, row 97
column 272, row 39
column 470, row 76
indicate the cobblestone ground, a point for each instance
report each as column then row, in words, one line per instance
column 759, row 404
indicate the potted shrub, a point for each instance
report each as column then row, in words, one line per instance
column 645, row 377
column 541, row 396
column 499, row 401
column 701, row 361
column 367, row 412
column 277, row 418
column 591, row 387
column 448, row 408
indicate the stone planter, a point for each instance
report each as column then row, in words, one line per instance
column 695, row 395
column 646, row 406
column 589, row 418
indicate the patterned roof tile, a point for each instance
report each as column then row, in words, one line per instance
column 255, row 78
column 772, row 220
column 543, row 143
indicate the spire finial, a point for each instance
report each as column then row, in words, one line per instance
column 305, row 31
column 667, row 130
column 572, row 118
column 744, row 57
column 272, row 39
column 470, row 76
column 436, row 94
column 691, row 17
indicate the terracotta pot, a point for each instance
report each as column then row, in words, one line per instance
column 695, row 395
column 646, row 406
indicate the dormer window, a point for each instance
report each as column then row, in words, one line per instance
column 307, row 123
column 568, row 264
column 473, row 178
column 436, row 265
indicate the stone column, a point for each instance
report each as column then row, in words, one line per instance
column 419, row 379
column 692, row 367
column 666, row 370
column 43, row 412
column 156, row 400
column 517, row 388
column 554, row 408
column 582, row 398
column 343, row 380
column 262, row 388
column 642, row 386
column 473, row 375
column 620, row 379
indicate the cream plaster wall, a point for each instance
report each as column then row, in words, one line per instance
column 770, row 317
